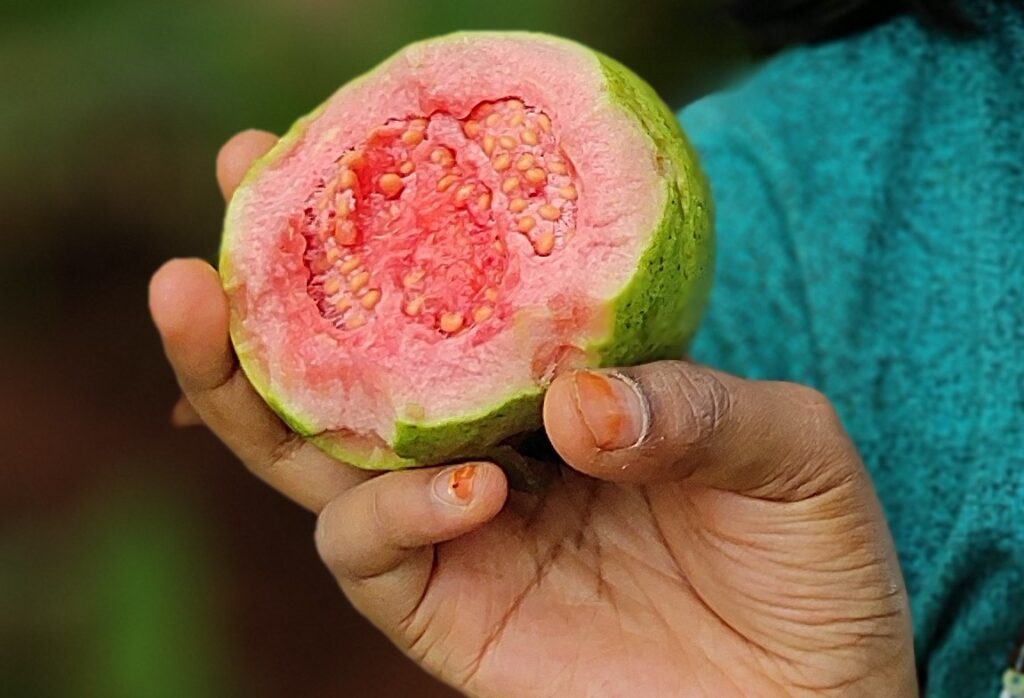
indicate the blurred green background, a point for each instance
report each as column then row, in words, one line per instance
column 137, row 560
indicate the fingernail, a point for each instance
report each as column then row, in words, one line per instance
column 455, row 485
column 612, row 409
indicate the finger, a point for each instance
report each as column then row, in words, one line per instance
column 184, row 415
column 237, row 156
column 191, row 313
column 377, row 538
column 674, row 420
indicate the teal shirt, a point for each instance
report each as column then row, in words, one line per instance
column 870, row 217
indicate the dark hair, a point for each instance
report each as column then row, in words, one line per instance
column 777, row 23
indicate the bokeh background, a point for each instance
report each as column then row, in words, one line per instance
column 137, row 560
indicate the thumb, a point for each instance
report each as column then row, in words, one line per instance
column 674, row 420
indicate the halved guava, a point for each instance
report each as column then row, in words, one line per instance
column 414, row 261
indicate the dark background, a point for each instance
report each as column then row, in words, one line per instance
column 138, row 560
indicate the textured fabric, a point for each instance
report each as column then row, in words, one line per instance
column 870, row 208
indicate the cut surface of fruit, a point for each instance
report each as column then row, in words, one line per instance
column 423, row 210
column 412, row 264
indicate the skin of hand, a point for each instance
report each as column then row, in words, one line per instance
column 710, row 536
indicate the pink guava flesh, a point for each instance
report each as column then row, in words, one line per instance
column 402, row 215
column 441, row 236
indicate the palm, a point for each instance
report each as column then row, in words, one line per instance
column 599, row 589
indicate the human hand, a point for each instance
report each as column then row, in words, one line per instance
column 711, row 536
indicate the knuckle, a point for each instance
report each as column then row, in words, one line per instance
column 285, row 451
column 336, row 536
column 818, row 411
column 377, row 516
column 228, row 381
column 821, row 456
column 701, row 404
column 356, row 533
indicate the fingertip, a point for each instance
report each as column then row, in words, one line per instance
column 564, row 424
column 473, row 491
column 182, row 292
column 162, row 287
column 237, row 155
column 191, row 312
column 597, row 421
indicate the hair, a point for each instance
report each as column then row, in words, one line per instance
column 778, row 23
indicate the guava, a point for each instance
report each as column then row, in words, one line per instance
column 415, row 261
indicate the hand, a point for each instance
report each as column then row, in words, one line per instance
column 711, row 536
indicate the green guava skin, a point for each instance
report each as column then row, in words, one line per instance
column 654, row 317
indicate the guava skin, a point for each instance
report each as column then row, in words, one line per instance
column 1013, row 684
column 654, row 317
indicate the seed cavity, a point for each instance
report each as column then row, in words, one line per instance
column 437, row 219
